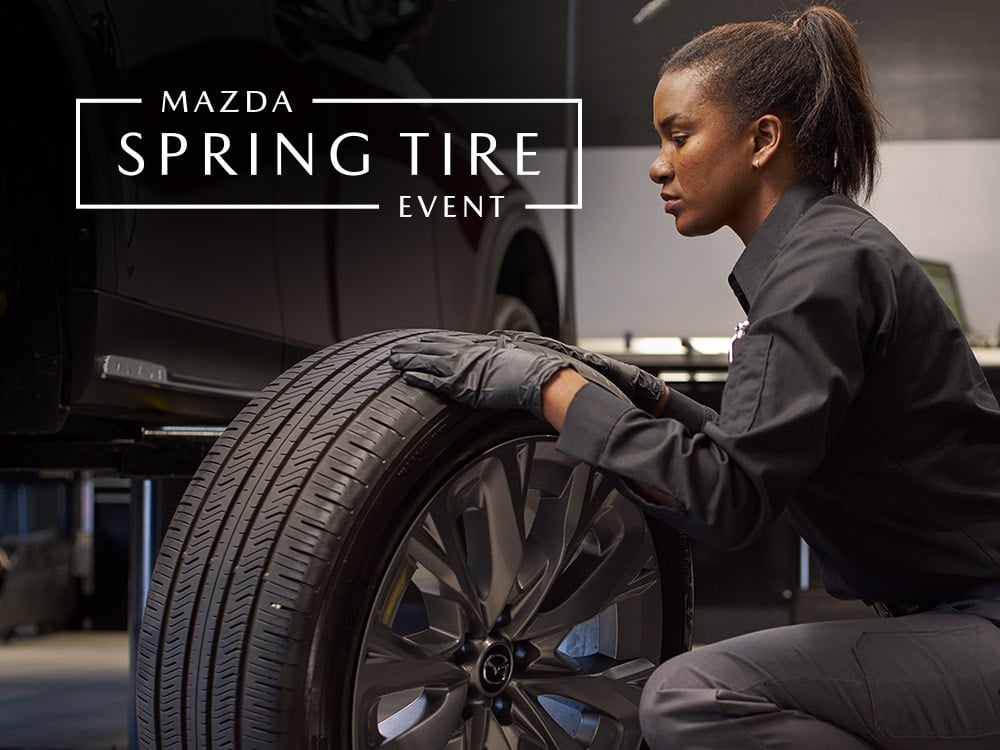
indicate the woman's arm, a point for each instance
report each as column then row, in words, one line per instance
column 558, row 394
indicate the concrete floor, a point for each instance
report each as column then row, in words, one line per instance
column 69, row 691
column 64, row 691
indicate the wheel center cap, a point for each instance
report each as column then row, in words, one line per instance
column 495, row 668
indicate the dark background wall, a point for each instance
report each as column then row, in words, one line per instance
column 935, row 66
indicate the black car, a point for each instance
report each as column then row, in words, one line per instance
column 355, row 563
column 119, row 317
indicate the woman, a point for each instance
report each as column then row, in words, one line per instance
column 853, row 402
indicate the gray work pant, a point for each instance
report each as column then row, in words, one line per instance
column 930, row 680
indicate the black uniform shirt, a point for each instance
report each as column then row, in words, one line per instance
column 853, row 401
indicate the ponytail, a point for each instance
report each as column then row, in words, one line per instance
column 808, row 70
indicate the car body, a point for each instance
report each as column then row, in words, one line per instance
column 117, row 318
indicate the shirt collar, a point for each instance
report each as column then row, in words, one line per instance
column 764, row 245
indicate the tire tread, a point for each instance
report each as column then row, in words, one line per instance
column 280, row 462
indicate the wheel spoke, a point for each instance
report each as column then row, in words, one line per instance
column 384, row 645
column 410, row 698
column 448, row 623
column 613, row 691
column 477, row 728
column 393, row 664
column 511, row 737
column 436, row 718
column 555, row 524
column 535, row 724
column 378, row 679
column 494, row 529
column 609, row 568
column 597, row 707
column 442, row 567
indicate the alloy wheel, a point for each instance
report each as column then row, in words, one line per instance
column 521, row 610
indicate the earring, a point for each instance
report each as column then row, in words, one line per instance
column 756, row 163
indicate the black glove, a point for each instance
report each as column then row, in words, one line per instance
column 642, row 389
column 484, row 375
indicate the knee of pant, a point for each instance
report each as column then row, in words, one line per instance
column 677, row 693
column 692, row 670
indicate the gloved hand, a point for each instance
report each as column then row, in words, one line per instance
column 494, row 374
column 642, row 389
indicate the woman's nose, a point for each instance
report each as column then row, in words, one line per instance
column 661, row 171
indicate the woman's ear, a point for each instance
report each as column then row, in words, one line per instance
column 767, row 137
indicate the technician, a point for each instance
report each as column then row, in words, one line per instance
column 853, row 403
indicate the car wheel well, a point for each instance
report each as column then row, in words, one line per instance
column 527, row 274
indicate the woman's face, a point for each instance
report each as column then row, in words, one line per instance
column 705, row 164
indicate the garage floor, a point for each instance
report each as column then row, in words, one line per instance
column 65, row 691
column 69, row 691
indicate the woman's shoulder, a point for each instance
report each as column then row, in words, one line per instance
column 835, row 213
column 837, row 244
column 837, row 226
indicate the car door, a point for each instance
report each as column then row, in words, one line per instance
column 197, row 269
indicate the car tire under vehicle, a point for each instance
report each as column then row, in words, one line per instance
column 359, row 564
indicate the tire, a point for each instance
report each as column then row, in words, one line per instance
column 513, row 314
column 358, row 563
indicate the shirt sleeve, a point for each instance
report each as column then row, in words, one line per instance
column 817, row 316
column 688, row 412
column 699, row 478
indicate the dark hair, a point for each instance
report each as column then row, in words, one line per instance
column 806, row 69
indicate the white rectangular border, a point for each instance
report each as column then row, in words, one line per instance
column 325, row 206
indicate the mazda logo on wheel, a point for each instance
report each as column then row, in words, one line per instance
column 496, row 669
